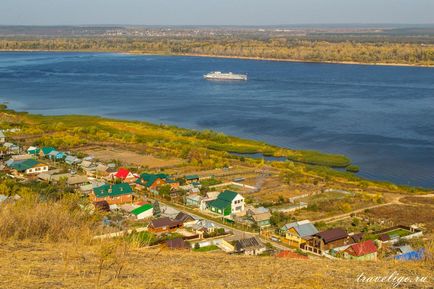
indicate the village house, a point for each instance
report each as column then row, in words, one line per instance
column 174, row 185
column 260, row 216
column 193, row 188
column 33, row 151
column 204, row 226
column 209, row 196
column 76, row 181
column 11, row 148
column 72, row 160
column 227, row 203
column 113, row 194
column 105, row 171
column 143, row 212
column 45, row 151
column 186, row 219
column 88, row 166
column 356, row 237
column 53, row 176
column 329, row 239
column 298, row 233
column 56, row 155
column 28, row 167
column 250, row 246
column 151, row 181
column 164, row 224
column 366, row 251
column 71, row 180
column 189, row 179
column 88, row 188
column 193, row 200
column 125, row 175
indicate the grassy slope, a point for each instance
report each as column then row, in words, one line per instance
column 36, row 265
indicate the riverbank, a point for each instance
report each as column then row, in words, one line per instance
column 203, row 150
column 222, row 57
column 285, row 60
column 206, row 139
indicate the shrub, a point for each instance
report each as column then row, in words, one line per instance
column 317, row 158
column 142, row 239
column 352, row 169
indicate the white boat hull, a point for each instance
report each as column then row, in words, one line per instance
column 225, row 76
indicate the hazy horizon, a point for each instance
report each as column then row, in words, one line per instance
column 304, row 25
column 215, row 13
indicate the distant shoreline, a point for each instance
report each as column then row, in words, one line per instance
column 285, row 60
column 227, row 57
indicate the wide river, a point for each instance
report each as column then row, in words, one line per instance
column 382, row 117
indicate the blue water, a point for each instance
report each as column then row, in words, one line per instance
column 382, row 117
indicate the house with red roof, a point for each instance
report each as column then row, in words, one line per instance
column 125, row 175
column 362, row 251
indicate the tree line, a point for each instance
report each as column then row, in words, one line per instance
column 275, row 48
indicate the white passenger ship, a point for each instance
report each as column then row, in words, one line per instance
column 217, row 75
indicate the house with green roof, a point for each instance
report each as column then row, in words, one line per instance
column 227, row 203
column 45, row 151
column 152, row 181
column 33, row 151
column 143, row 212
column 191, row 178
column 113, row 194
column 28, row 166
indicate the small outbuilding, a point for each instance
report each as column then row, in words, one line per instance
column 143, row 212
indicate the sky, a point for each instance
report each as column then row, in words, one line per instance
column 214, row 12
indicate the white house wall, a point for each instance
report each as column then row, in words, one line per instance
column 235, row 204
column 34, row 170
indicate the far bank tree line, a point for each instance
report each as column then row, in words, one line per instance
column 276, row 48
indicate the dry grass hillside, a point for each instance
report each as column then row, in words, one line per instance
column 46, row 242
column 109, row 265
